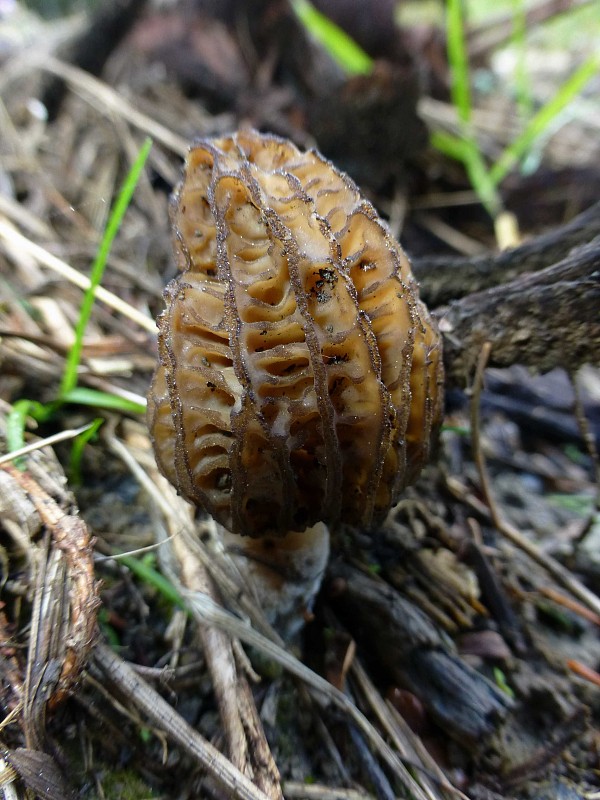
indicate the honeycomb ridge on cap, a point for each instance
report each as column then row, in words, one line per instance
column 300, row 376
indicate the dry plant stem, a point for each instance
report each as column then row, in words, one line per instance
column 485, row 123
column 56, row 35
column 450, row 235
column 107, row 26
column 7, row 777
column 13, row 237
column 112, row 388
column 123, row 708
column 315, row 791
column 567, row 602
column 39, row 443
column 324, row 733
column 24, row 217
column 40, row 676
column 542, row 320
column 106, row 99
column 72, row 546
column 177, row 513
column 40, row 774
column 406, row 742
column 562, row 575
column 246, row 743
column 209, row 612
column 164, row 717
column 322, row 691
column 369, row 768
column 584, row 671
column 145, row 194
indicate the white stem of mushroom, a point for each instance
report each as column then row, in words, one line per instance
column 284, row 573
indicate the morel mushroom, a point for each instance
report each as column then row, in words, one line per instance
column 300, row 377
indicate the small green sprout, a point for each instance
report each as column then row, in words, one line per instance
column 69, row 391
column 341, row 47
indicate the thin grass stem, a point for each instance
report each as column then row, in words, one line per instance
column 544, row 117
column 69, row 380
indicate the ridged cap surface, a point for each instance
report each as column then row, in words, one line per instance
column 300, row 377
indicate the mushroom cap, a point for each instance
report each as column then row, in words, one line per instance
column 300, row 376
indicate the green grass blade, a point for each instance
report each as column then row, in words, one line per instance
column 519, row 42
column 449, row 145
column 15, row 427
column 481, row 181
column 582, row 504
column 115, row 219
column 77, row 449
column 341, row 47
column 92, row 397
column 143, row 569
column 540, row 122
column 458, row 60
column 107, row 629
column 466, row 150
column 17, row 419
column 502, row 683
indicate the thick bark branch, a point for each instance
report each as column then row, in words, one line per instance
column 543, row 320
column 445, row 279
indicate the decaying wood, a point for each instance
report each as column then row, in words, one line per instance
column 39, row 772
column 543, row 320
column 32, row 503
column 419, row 656
column 41, row 527
column 443, row 279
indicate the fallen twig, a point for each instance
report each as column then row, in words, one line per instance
column 163, row 716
